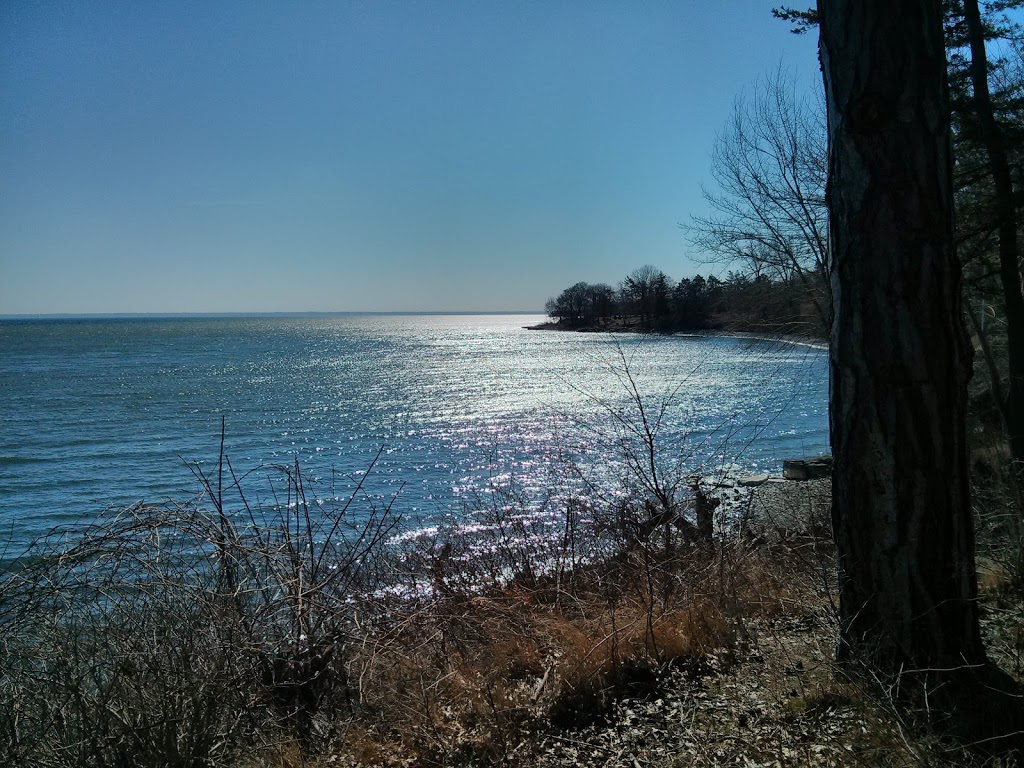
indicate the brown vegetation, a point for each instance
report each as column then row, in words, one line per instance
column 301, row 636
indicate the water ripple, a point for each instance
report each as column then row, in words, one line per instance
column 101, row 412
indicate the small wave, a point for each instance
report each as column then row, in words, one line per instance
column 10, row 460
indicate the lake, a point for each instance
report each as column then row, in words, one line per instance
column 101, row 412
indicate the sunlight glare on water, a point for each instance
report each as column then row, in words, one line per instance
column 100, row 412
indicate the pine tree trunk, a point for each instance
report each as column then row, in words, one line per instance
column 999, row 167
column 900, row 353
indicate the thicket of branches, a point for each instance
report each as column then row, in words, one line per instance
column 225, row 633
column 769, row 217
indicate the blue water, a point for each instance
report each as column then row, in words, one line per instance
column 97, row 413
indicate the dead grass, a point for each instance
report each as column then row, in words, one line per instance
column 714, row 656
column 122, row 649
column 473, row 678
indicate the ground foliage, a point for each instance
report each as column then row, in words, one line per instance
column 183, row 637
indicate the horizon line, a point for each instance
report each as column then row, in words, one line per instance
column 258, row 313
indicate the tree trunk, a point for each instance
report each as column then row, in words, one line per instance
column 900, row 353
column 1006, row 212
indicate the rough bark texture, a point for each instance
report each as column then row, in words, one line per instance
column 900, row 357
column 999, row 167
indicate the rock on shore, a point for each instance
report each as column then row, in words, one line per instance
column 773, row 506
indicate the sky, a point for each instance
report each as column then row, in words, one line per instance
column 270, row 156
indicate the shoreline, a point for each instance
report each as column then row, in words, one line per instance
column 634, row 328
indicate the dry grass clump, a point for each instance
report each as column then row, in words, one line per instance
column 312, row 634
column 231, row 634
column 184, row 635
column 470, row 677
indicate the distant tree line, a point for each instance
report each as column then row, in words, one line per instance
column 648, row 300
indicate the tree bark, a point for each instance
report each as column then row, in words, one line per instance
column 1006, row 212
column 900, row 357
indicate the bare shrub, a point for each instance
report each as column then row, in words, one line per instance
column 179, row 635
column 226, row 632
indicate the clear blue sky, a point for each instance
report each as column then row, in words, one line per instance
column 179, row 156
